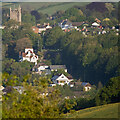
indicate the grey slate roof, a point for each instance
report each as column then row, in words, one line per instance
column 54, row 67
column 85, row 83
column 67, row 22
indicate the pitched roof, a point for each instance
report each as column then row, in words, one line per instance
column 85, row 84
column 39, row 64
column 60, row 77
column 66, row 22
column 95, row 24
column 54, row 67
column 97, row 20
column 70, row 77
column 30, row 51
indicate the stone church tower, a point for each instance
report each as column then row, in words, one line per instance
column 15, row 14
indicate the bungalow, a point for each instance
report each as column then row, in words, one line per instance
column 57, row 67
column 60, row 79
column 29, row 55
column 86, row 86
column 40, row 67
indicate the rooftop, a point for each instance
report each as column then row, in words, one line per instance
column 57, row 67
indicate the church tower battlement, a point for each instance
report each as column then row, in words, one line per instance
column 15, row 14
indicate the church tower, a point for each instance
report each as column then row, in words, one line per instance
column 15, row 14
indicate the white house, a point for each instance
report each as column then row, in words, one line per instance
column 60, row 79
column 29, row 55
column 41, row 68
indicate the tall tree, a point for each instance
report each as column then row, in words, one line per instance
column 23, row 43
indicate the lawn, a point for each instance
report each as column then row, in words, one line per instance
column 60, row 6
column 105, row 111
column 44, row 7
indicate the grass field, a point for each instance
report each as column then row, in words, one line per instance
column 105, row 111
column 45, row 7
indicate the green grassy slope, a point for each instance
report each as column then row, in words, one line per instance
column 47, row 7
column 105, row 111
column 60, row 6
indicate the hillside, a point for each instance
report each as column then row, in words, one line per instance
column 46, row 8
column 97, row 6
column 105, row 111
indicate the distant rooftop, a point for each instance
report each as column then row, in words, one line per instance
column 54, row 67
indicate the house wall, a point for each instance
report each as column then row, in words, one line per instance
column 87, row 88
column 42, row 29
column 26, row 49
column 62, row 82
column 26, row 58
column 42, row 68
column 58, row 82
column 29, row 54
column 65, row 70
column 33, row 59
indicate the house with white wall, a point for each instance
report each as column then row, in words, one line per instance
column 60, row 79
column 28, row 55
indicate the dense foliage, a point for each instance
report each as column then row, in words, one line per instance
column 92, row 58
column 84, row 57
column 110, row 93
column 31, row 103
